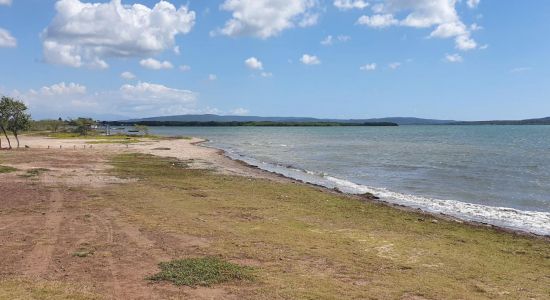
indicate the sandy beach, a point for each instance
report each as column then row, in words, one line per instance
column 83, row 219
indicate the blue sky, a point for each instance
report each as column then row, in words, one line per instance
column 444, row 59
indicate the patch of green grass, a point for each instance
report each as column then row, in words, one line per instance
column 6, row 169
column 83, row 251
column 34, row 172
column 203, row 271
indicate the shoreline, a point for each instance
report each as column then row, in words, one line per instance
column 375, row 199
column 209, row 157
column 99, row 218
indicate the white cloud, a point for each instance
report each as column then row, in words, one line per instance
column 128, row 75
column 253, row 63
column 177, row 50
column 453, row 58
column 185, row 68
column 86, row 34
column 143, row 99
column 378, row 21
column 350, row 4
column 472, row 3
column 394, row 65
column 266, row 74
column 61, row 89
column 5, row 2
column 423, row 14
column 368, row 67
column 267, row 18
column 448, row 30
column 6, row 39
column 330, row 40
column 151, row 95
column 465, row 42
column 307, row 59
column 153, row 64
column 212, row 77
column 239, row 111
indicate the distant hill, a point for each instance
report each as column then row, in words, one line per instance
column 218, row 118
column 540, row 121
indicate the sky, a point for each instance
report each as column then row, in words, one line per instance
column 445, row 59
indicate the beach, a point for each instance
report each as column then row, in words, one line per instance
column 86, row 218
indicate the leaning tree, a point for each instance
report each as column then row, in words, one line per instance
column 14, row 117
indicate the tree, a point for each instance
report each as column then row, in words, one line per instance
column 17, row 117
column 142, row 129
column 83, row 125
column 5, row 116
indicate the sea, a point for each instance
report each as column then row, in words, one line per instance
column 498, row 175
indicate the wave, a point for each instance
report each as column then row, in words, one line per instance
column 529, row 221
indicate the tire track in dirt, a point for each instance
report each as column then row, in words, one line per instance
column 40, row 257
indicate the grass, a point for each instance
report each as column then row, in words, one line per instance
column 36, row 289
column 312, row 244
column 203, row 271
column 34, row 172
column 6, row 169
column 116, row 141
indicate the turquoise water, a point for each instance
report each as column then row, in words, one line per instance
column 493, row 174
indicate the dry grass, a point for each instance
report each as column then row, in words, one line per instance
column 312, row 244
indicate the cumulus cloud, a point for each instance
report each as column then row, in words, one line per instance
column 267, row 18
column 253, row 63
column 212, row 77
column 153, row 64
column 143, row 99
column 307, row 59
column 127, row 75
column 441, row 14
column 350, row 4
column 453, row 58
column 6, row 39
column 472, row 3
column 378, row 21
column 5, row 2
column 146, row 93
column 368, row 67
column 86, row 34
column 61, row 89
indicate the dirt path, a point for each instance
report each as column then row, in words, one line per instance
column 36, row 263
column 52, row 230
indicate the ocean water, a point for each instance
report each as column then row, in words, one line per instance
column 493, row 174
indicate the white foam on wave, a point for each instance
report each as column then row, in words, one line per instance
column 529, row 221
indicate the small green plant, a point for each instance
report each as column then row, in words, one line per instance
column 34, row 172
column 83, row 252
column 203, row 271
column 6, row 169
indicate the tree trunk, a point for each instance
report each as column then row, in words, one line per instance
column 17, row 138
column 7, row 138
